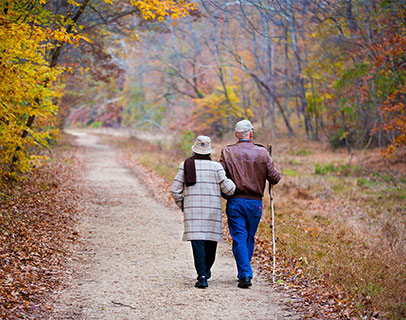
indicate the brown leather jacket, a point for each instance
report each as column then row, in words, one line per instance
column 249, row 166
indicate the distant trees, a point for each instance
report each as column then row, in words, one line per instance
column 327, row 68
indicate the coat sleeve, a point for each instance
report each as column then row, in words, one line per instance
column 272, row 174
column 223, row 160
column 227, row 185
column 178, row 186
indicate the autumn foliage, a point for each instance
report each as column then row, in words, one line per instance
column 32, row 35
column 28, row 86
column 216, row 113
column 388, row 61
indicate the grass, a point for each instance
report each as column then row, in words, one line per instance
column 290, row 172
column 159, row 164
column 324, row 169
column 301, row 152
column 322, row 247
column 369, row 265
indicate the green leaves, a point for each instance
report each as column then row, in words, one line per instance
column 350, row 74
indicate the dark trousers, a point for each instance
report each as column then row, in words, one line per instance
column 204, row 254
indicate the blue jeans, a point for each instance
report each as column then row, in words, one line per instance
column 243, row 219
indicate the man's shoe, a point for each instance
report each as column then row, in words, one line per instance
column 245, row 282
column 201, row 283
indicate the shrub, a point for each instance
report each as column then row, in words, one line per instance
column 301, row 152
column 187, row 140
column 323, row 170
column 290, row 172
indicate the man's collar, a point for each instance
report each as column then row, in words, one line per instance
column 244, row 140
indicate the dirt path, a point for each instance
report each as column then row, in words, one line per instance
column 133, row 264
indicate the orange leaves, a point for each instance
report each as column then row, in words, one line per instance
column 394, row 115
column 388, row 62
column 391, row 47
column 385, row 84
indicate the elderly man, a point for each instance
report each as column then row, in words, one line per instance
column 197, row 191
column 249, row 166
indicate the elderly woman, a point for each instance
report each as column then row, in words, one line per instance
column 197, row 191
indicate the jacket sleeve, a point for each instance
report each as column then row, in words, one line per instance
column 272, row 174
column 227, row 185
column 223, row 162
column 178, row 186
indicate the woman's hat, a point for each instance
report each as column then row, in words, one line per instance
column 202, row 145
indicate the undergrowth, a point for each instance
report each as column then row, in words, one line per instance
column 317, row 232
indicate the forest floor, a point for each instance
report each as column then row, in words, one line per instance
column 132, row 264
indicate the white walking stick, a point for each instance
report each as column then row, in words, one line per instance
column 272, row 226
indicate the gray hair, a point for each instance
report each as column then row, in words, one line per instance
column 242, row 135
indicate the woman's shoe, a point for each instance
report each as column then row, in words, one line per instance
column 208, row 275
column 201, row 283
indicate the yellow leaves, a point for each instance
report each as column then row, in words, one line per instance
column 83, row 70
column 28, row 88
column 62, row 36
column 156, row 9
column 74, row 3
column 212, row 113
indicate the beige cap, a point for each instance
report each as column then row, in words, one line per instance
column 243, row 126
column 202, row 145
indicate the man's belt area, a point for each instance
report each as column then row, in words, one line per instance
column 245, row 196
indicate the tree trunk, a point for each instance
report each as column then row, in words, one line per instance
column 316, row 111
column 270, row 64
column 300, row 79
column 345, row 133
column 352, row 25
column 223, row 83
column 286, row 70
column 227, row 41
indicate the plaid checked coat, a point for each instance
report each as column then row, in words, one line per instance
column 202, row 201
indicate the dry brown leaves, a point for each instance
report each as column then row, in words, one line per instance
column 36, row 225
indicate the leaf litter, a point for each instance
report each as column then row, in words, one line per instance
column 37, row 218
